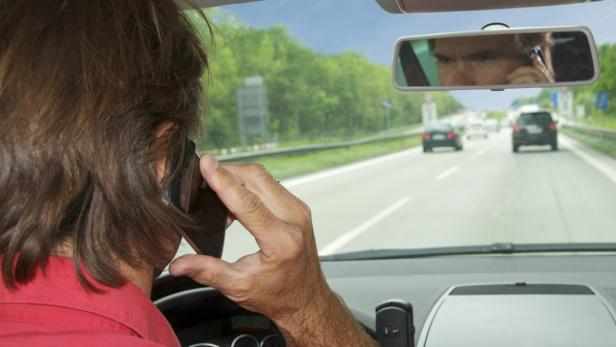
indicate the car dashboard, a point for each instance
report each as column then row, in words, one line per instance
column 496, row 300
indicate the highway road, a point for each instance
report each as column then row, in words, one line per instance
column 481, row 195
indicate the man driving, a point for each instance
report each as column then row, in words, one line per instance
column 95, row 97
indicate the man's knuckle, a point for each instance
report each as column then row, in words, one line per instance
column 294, row 245
column 296, row 236
column 258, row 168
column 302, row 219
column 258, row 213
column 252, row 205
column 307, row 211
column 260, row 172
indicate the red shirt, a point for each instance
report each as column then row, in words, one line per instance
column 55, row 310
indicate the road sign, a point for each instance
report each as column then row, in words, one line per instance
column 565, row 103
column 602, row 101
column 387, row 105
column 252, row 105
column 580, row 111
column 554, row 99
column 429, row 113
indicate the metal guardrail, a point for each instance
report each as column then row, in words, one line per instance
column 247, row 156
column 592, row 131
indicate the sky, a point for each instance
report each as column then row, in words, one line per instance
column 334, row 26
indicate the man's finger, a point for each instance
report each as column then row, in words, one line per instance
column 280, row 201
column 526, row 70
column 203, row 269
column 254, row 176
column 528, row 73
column 538, row 63
column 524, row 80
column 257, row 179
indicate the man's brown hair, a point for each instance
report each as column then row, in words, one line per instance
column 85, row 88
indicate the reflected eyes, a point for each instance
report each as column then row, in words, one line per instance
column 444, row 60
column 475, row 59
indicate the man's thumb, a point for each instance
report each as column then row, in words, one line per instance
column 201, row 268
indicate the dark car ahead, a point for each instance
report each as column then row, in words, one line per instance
column 535, row 128
column 441, row 135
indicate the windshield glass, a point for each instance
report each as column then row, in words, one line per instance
column 440, row 127
column 541, row 118
column 307, row 85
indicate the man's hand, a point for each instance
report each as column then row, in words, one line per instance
column 282, row 281
column 536, row 74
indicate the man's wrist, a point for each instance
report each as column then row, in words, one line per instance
column 311, row 313
column 325, row 321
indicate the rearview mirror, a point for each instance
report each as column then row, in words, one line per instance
column 411, row 6
column 496, row 59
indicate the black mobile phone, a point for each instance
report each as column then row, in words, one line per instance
column 189, row 192
column 535, row 52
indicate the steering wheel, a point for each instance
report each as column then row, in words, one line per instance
column 202, row 317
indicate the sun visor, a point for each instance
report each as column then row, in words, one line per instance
column 213, row 3
column 409, row 6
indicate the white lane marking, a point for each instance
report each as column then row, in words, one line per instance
column 594, row 159
column 347, row 168
column 447, row 173
column 479, row 154
column 350, row 235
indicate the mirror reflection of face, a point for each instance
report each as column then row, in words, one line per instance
column 484, row 60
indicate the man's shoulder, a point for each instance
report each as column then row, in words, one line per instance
column 54, row 309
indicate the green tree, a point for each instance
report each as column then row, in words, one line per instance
column 311, row 96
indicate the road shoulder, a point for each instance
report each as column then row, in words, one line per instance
column 601, row 162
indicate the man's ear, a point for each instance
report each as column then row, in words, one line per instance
column 161, row 155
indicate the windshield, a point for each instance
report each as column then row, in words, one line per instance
column 440, row 127
column 305, row 87
column 541, row 118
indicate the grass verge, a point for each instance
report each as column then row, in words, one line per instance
column 600, row 121
column 602, row 145
column 295, row 165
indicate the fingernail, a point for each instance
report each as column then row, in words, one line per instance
column 211, row 163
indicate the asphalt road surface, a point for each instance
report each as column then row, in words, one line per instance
column 481, row 195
